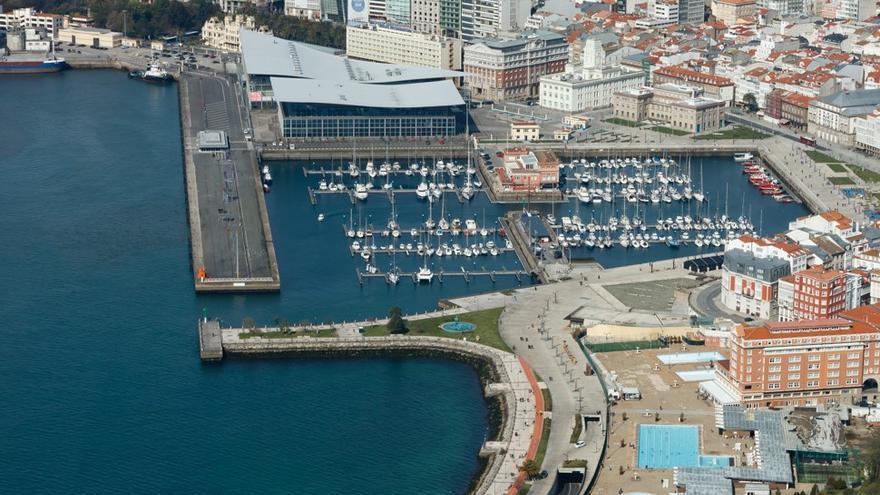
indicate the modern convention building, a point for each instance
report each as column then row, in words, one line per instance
column 321, row 95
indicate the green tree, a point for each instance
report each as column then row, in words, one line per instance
column 530, row 467
column 396, row 323
column 750, row 102
column 871, row 456
column 814, row 490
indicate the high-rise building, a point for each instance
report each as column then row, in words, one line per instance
column 398, row 11
column 425, row 16
column 856, row 10
column 400, row 45
column 730, row 11
column 489, row 18
column 691, row 11
column 450, row 16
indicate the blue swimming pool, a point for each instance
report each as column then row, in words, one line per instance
column 691, row 357
column 669, row 446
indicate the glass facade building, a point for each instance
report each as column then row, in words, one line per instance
column 397, row 11
column 317, row 121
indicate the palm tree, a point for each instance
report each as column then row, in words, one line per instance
column 531, row 468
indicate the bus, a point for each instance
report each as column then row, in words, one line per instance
column 808, row 141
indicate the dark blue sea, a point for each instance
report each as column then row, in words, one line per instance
column 101, row 388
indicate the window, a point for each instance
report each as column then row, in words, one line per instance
column 813, row 374
column 831, row 383
column 773, row 359
column 815, row 357
column 813, row 366
column 814, row 383
column 773, row 369
column 793, row 384
column 773, row 386
column 794, row 367
column 794, row 359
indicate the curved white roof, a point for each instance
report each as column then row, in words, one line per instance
column 267, row 55
column 413, row 95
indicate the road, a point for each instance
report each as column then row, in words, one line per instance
column 706, row 300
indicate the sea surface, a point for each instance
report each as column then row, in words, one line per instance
column 101, row 388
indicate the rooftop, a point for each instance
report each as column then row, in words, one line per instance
column 414, row 95
column 264, row 54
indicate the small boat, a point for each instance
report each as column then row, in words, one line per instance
column 425, row 275
column 422, row 190
column 320, row 217
column 360, row 192
column 742, row 157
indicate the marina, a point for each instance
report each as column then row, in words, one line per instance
column 400, row 219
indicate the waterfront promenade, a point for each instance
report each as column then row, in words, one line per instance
column 232, row 247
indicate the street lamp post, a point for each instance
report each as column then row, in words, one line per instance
column 124, row 23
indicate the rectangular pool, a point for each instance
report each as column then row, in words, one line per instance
column 691, row 357
column 669, row 446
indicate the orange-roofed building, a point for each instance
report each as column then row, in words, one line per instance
column 816, row 293
column 526, row 170
column 716, row 87
column 804, row 363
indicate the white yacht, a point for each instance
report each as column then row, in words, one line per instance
column 425, row 275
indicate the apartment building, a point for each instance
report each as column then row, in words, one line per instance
column 867, row 133
column 814, row 294
column 751, row 272
column 507, row 69
column 662, row 13
column 784, row 7
column 399, row 45
column 715, row 87
column 731, row 11
column 308, row 9
column 225, row 34
column 803, row 363
column 832, row 118
column 425, row 16
column 691, row 11
column 788, row 108
column 30, row 18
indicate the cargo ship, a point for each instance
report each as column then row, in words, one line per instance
column 24, row 63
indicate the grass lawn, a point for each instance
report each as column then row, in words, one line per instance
column 575, row 463
column 836, row 167
column 734, row 132
column 669, row 130
column 548, row 400
column 524, row 489
column 818, row 156
column 864, row 174
column 542, row 447
column 327, row 332
column 628, row 123
column 485, row 333
column 576, row 431
column 841, row 181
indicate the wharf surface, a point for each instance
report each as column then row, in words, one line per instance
column 508, row 378
column 231, row 240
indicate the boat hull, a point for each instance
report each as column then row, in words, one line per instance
column 31, row 67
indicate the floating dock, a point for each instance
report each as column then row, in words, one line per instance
column 231, row 240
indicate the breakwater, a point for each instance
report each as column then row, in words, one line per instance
column 507, row 385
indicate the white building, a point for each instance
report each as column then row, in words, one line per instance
column 30, row 18
column 832, row 118
column 94, row 37
column 309, row 9
column 489, row 18
column 784, row 7
column 224, row 35
column 589, row 86
column 663, row 12
column 397, row 45
column 856, row 10
column 867, row 136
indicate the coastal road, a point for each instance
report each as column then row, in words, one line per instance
column 234, row 244
column 706, row 300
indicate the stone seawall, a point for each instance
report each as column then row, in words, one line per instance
column 495, row 368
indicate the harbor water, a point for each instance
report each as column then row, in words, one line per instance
column 103, row 390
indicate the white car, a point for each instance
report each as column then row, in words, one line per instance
column 580, row 444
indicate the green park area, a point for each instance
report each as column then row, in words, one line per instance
column 734, row 132
column 486, row 331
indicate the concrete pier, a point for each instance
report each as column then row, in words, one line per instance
column 232, row 247
column 210, row 340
